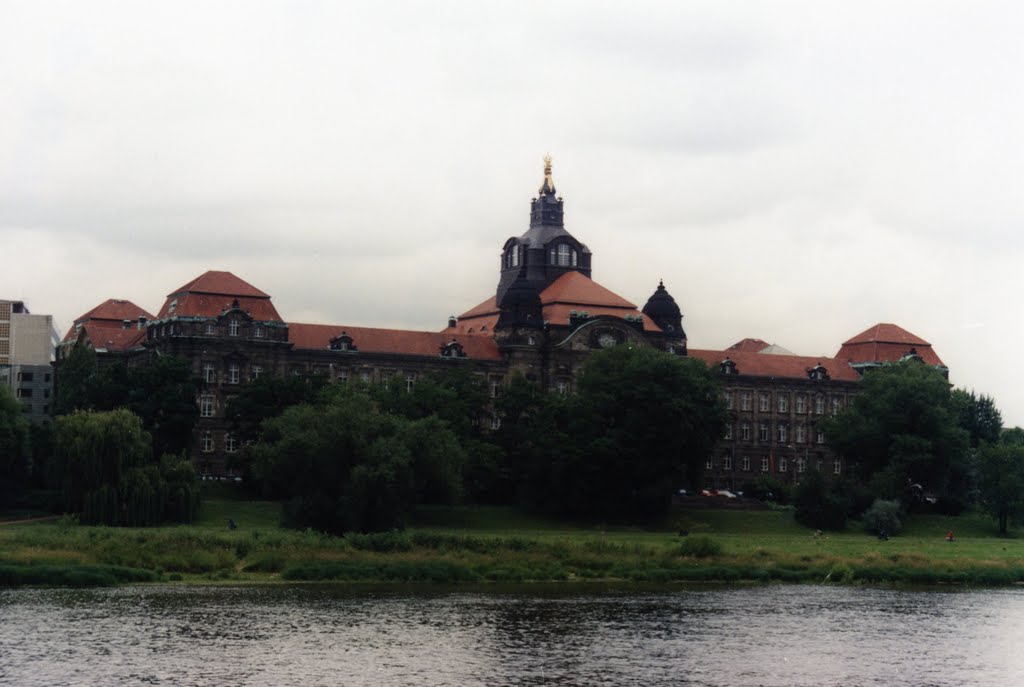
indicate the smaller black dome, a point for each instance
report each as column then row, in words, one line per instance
column 664, row 310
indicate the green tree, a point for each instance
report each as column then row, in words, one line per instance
column 343, row 465
column 900, row 431
column 75, row 380
column 102, row 465
column 817, row 505
column 15, row 453
column 267, row 397
column 1001, row 472
column 978, row 415
column 641, row 424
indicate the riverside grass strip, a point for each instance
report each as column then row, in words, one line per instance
column 756, row 546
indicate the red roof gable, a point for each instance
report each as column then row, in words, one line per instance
column 372, row 340
column 222, row 284
column 212, row 293
column 886, row 343
column 571, row 291
column 781, row 366
column 751, row 345
column 110, row 339
column 110, row 313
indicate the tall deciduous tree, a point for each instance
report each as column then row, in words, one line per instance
column 901, row 430
column 15, row 465
column 1001, row 477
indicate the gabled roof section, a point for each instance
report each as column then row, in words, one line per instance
column 392, row 341
column 110, row 313
column 573, row 288
column 749, row 345
column 111, row 340
column 779, row 366
column 213, row 293
column 886, row 343
column 571, row 291
column 221, row 284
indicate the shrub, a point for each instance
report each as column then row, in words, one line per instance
column 817, row 506
column 700, row 547
column 883, row 515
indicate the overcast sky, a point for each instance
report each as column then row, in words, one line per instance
column 795, row 172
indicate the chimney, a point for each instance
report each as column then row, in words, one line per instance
column 142, row 321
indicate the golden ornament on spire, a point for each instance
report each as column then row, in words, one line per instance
column 548, row 187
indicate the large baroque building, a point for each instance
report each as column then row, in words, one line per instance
column 546, row 315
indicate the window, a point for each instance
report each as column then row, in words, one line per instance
column 46, row 393
column 745, row 464
column 563, row 387
column 762, row 432
column 257, row 332
column 495, row 385
column 23, row 393
column 801, row 465
column 801, row 434
column 818, row 464
column 343, row 376
column 819, row 405
column 837, row 466
column 256, row 371
column 744, row 400
column 745, row 431
column 783, row 432
column 26, row 376
column 820, row 437
column 233, row 373
column 209, row 375
column 837, row 405
column 211, row 329
column 364, row 376
column 727, row 462
column 709, row 464
column 47, row 377
column 728, row 431
column 512, row 257
column 783, row 403
column 410, row 379
column 495, row 422
column 206, row 405
column 782, row 464
column 801, row 403
column 764, row 463
column 766, row 403
column 207, row 442
column 230, row 443
column 233, row 328
column 727, row 395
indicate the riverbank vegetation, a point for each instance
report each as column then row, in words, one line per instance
column 456, row 545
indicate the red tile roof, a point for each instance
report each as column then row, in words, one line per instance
column 221, row 284
column 110, row 339
column 110, row 313
column 751, row 345
column 211, row 293
column 571, row 291
column 886, row 343
column 400, row 341
column 780, row 366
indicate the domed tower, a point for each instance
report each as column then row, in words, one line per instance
column 546, row 250
column 665, row 313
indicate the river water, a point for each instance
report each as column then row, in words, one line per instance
column 546, row 635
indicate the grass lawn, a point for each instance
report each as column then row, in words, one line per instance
column 504, row 544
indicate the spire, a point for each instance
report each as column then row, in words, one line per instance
column 548, row 187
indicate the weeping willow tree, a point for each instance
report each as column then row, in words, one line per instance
column 104, row 468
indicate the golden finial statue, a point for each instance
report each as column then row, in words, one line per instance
column 548, row 187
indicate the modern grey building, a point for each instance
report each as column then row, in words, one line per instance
column 27, row 344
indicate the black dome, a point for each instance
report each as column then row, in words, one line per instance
column 662, row 305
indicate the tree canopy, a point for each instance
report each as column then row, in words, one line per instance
column 901, row 432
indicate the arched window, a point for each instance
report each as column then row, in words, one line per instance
column 512, row 256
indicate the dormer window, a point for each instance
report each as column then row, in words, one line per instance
column 257, row 332
column 233, row 328
column 818, row 373
column 211, row 329
column 728, row 367
column 343, row 342
column 452, row 349
column 563, row 255
column 513, row 256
